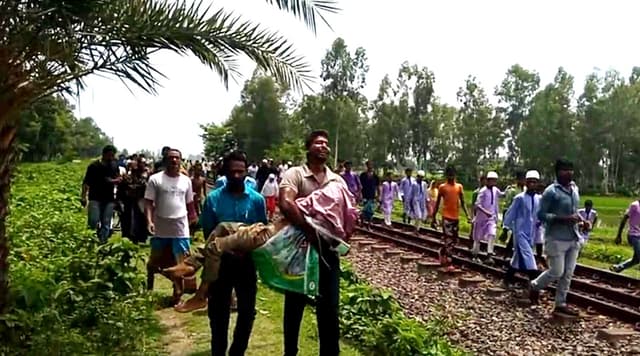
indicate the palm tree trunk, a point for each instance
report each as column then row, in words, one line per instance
column 8, row 131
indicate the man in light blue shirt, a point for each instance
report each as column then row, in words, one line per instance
column 233, row 202
column 559, row 212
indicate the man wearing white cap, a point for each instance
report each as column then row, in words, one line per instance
column 419, row 199
column 522, row 219
column 486, row 217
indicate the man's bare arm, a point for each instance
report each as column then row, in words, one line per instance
column 464, row 207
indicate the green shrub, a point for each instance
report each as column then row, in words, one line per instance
column 68, row 294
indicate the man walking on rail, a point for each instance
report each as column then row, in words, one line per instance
column 509, row 194
column 234, row 202
column 405, row 194
column 632, row 215
column 559, row 212
column 419, row 200
column 98, row 192
column 451, row 194
column 300, row 182
column 486, row 217
column 369, row 182
column 352, row 180
column 388, row 194
column 522, row 219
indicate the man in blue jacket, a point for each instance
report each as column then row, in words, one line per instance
column 233, row 202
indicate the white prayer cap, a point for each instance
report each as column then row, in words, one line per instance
column 492, row 175
column 272, row 176
column 420, row 173
column 532, row 175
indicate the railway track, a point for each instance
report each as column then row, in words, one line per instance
column 594, row 289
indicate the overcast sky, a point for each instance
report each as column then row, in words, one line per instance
column 454, row 38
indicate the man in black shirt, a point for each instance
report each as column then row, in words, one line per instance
column 159, row 164
column 263, row 173
column 98, row 188
column 369, row 182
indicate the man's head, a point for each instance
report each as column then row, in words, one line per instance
column 532, row 178
column 108, row 153
column 272, row 177
column 521, row 178
column 450, row 173
column 234, row 167
column 420, row 175
column 483, row 180
column 588, row 204
column 264, row 162
column 173, row 159
column 317, row 145
column 408, row 172
column 492, row 179
column 564, row 171
column 388, row 176
column 347, row 166
column 165, row 150
column 197, row 169
column 369, row 165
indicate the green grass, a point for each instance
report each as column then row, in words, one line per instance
column 600, row 251
column 193, row 333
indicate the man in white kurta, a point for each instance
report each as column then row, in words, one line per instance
column 388, row 194
column 419, row 199
column 405, row 194
column 486, row 217
column 522, row 219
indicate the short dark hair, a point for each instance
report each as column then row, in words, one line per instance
column 109, row 148
column 348, row 163
column 236, row 155
column 588, row 202
column 313, row 135
column 520, row 174
column 450, row 170
column 563, row 164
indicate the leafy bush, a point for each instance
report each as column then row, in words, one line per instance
column 68, row 294
column 372, row 319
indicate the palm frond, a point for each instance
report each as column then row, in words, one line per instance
column 308, row 10
column 51, row 48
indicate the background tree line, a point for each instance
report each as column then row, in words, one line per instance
column 51, row 131
column 407, row 124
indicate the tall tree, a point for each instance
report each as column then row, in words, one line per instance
column 480, row 131
column 515, row 94
column 259, row 121
column 343, row 106
column 550, row 130
column 48, row 46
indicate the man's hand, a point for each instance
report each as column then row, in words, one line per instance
column 83, row 202
column 151, row 227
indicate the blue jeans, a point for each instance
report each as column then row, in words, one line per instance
column 562, row 257
column 634, row 241
column 99, row 218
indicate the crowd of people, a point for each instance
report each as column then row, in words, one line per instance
column 168, row 200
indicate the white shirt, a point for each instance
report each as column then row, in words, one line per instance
column 270, row 189
column 170, row 195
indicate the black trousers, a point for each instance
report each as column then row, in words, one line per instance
column 326, row 310
column 237, row 273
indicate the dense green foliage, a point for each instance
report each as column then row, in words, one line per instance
column 407, row 124
column 68, row 294
column 51, row 131
column 373, row 320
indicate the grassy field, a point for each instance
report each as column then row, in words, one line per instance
column 189, row 334
column 601, row 250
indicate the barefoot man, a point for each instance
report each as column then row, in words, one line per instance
column 199, row 184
